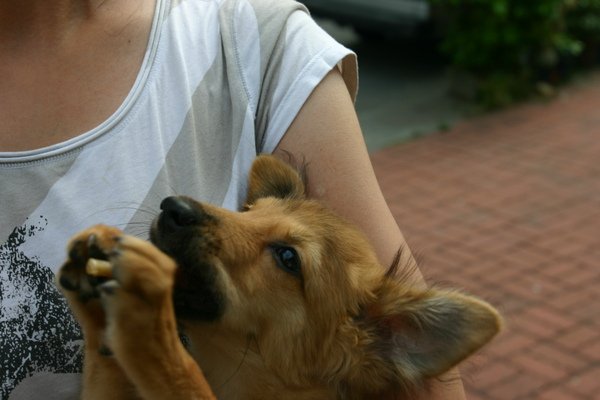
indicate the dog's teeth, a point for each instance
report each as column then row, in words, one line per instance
column 99, row 268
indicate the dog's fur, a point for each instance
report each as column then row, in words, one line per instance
column 283, row 300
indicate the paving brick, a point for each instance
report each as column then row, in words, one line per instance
column 586, row 383
column 580, row 276
column 534, row 328
column 532, row 363
column 549, row 318
column 522, row 386
column 580, row 338
column 559, row 393
column 550, row 353
column 592, row 349
column 557, row 269
column 489, row 374
column 532, row 289
column 477, row 396
column 494, row 271
column 510, row 342
column 507, row 205
column 572, row 300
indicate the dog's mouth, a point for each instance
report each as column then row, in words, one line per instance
column 180, row 231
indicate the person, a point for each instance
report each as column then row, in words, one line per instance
column 108, row 106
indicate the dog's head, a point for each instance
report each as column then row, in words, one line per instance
column 307, row 286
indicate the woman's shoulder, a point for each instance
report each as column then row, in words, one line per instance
column 266, row 12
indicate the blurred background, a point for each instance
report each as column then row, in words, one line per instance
column 482, row 118
column 451, row 58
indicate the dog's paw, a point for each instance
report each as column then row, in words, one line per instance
column 126, row 298
column 139, row 269
column 81, row 289
column 134, row 265
column 98, row 242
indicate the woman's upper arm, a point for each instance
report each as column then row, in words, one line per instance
column 326, row 135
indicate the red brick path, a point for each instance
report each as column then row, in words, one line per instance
column 507, row 206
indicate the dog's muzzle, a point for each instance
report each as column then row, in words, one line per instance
column 178, row 213
column 182, row 230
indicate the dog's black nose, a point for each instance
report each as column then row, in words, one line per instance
column 179, row 212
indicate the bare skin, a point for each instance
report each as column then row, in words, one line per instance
column 55, row 86
column 66, row 66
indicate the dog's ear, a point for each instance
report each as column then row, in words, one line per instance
column 271, row 177
column 423, row 334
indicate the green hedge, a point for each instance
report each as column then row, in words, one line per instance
column 511, row 46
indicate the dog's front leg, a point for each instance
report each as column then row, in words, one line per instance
column 103, row 377
column 141, row 330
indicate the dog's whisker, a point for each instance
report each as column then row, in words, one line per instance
column 140, row 231
column 143, row 235
column 143, row 223
column 239, row 367
column 149, row 211
column 124, row 206
column 152, row 213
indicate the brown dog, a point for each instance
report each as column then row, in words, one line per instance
column 283, row 300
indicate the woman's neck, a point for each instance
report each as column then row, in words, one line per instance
column 45, row 22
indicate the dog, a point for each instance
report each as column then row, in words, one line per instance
column 282, row 300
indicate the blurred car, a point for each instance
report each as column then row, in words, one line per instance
column 374, row 16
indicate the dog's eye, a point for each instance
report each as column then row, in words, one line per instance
column 287, row 259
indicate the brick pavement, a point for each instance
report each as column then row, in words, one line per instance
column 507, row 206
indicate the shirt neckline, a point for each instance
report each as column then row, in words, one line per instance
column 54, row 150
